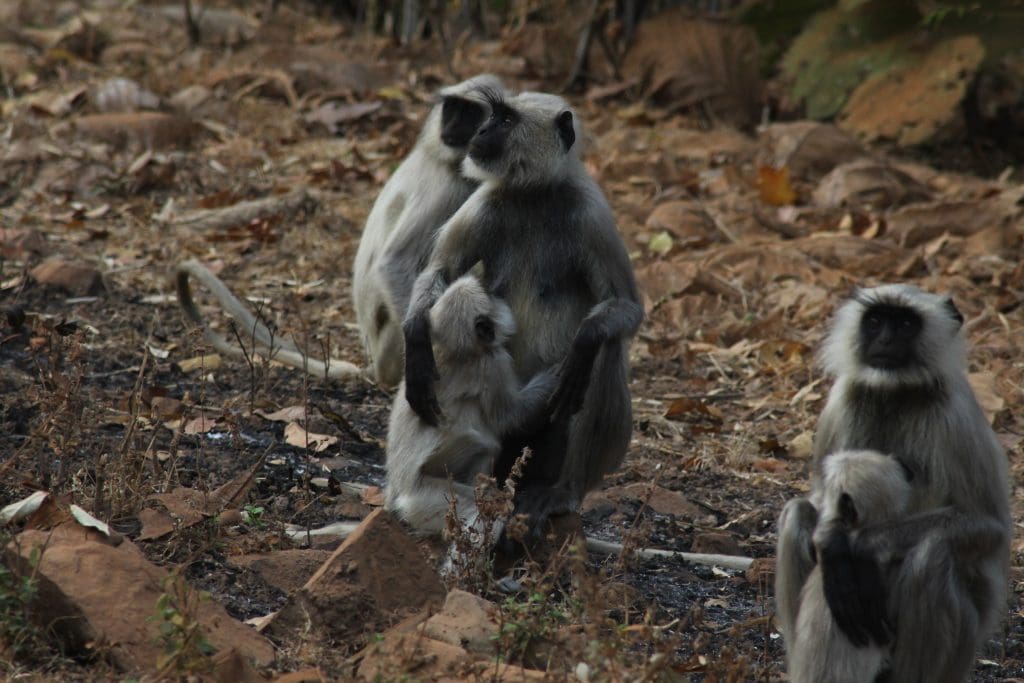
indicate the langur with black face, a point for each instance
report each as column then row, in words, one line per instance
column 901, row 388
column 420, row 196
column 482, row 399
column 857, row 489
column 550, row 248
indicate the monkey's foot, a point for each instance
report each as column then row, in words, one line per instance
column 547, row 511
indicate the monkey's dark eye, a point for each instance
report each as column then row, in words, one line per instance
column 484, row 329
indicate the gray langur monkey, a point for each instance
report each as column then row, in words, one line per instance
column 901, row 388
column 482, row 399
column 550, row 248
column 418, row 198
column 857, row 489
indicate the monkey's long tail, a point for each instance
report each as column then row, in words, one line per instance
column 265, row 343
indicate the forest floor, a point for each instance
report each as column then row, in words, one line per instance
column 109, row 396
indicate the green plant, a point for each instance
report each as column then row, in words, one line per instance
column 186, row 649
column 18, row 635
column 526, row 623
column 254, row 516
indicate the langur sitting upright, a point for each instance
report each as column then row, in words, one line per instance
column 857, row 489
column 550, row 248
column 482, row 398
column 901, row 388
column 420, row 196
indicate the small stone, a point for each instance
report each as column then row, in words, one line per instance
column 74, row 278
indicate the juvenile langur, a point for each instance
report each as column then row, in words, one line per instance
column 550, row 248
column 420, row 196
column 901, row 388
column 482, row 399
column 857, row 489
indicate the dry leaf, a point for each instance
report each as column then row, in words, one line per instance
column 773, row 186
column 199, row 425
column 297, row 436
column 206, row 363
column 288, row 414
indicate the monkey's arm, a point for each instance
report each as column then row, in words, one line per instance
column 968, row 536
column 795, row 557
column 529, row 410
column 612, row 320
column 452, row 256
column 854, row 588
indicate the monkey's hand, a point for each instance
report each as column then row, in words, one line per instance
column 574, row 375
column 421, row 371
column 854, row 591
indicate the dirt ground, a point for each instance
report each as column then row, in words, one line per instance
column 738, row 289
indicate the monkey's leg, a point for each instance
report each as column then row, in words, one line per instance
column 938, row 623
column 425, row 508
column 794, row 560
column 572, row 455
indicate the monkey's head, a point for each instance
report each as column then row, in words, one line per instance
column 466, row 321
column 895, row 335
column 863, row 487
column 529, row 139
column 459, row 112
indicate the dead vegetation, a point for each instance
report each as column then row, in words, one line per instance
column 172, row 469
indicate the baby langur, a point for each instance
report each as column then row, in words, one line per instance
column 901, row 388
column 857, row 489
column 482, row 399
column 548, row 241
column 420, row 196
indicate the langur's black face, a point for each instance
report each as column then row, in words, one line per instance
column 489, row 142
column 460, row 119
column 888, row 334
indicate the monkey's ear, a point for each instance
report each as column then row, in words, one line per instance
column 954, row 312
column 565, row 129
column 847, row 510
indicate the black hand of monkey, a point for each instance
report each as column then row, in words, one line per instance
column 855, row 592
column 420, row 375
column 574, row 377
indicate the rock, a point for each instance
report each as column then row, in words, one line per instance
column 377, row 576
column 231, row 667
column 716, row 543
column 74, row 278
column 91, row 591
column 467, row 621
column 286, row 570
column 407, row 653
